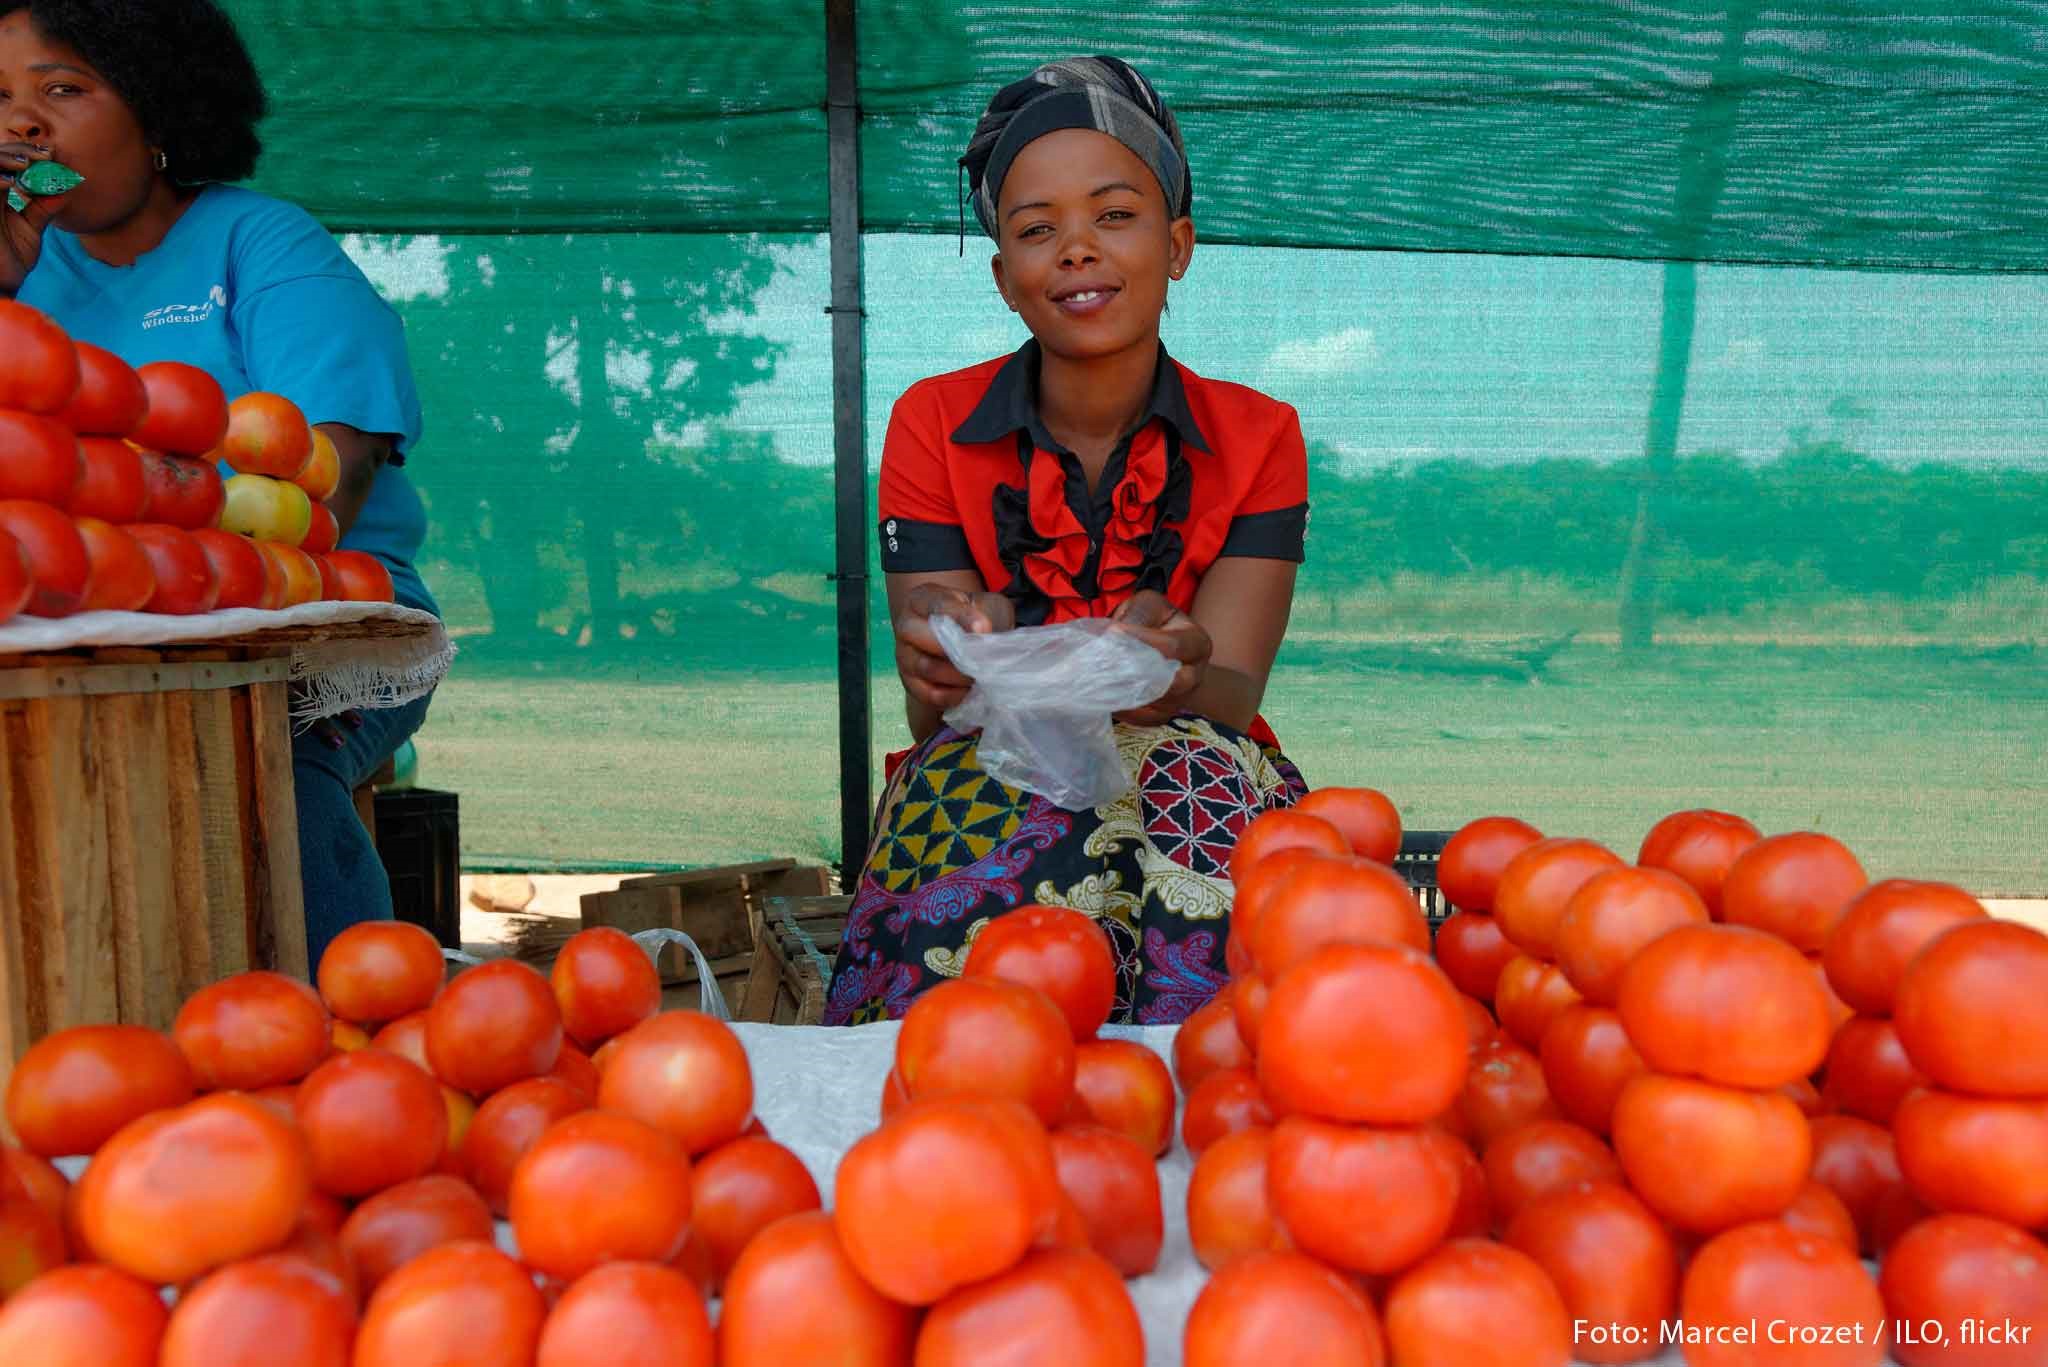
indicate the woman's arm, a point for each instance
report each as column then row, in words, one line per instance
column 930, row 682
column 362, row 455
column 1226, row 645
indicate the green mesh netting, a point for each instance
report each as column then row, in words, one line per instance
column 1593, row 539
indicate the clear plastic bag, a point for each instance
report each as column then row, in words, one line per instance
column 1042, row 699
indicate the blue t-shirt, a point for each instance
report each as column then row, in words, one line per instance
column 256, row 293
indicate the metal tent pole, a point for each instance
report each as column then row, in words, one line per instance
column 849, row 435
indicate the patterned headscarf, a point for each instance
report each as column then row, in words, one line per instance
column 1102, row 93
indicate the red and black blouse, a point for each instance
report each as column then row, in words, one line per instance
column 971, row 479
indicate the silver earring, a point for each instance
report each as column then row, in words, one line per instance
column 163, row 160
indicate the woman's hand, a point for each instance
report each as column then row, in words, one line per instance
column 928, row 676
column 21, row 234
column 1152, row 618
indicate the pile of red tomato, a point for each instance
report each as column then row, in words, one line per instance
column 1717, row 1078
column 110, row 495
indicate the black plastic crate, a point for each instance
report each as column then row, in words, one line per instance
column 419, row 837
column 1417, row 863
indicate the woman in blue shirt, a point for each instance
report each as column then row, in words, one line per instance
column 156, row 258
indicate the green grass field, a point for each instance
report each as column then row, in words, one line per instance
column 1929, row 762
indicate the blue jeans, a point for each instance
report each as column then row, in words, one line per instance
column 344, row 879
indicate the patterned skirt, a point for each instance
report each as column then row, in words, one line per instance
column 954, row 848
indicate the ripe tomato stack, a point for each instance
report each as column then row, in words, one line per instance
column 313, row 1174
column 110, row 497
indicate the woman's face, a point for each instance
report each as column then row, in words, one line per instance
column 1085, row 245
column 55, row 107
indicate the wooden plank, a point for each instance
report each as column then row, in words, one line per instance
column 716, row 920
column 81, row 679
column 222, row 846
column 280, row 903
column 138, row 823
column 717, row 874
column 15, row 1031
column 185, row 823
column 805, row 880
column 62, row 848
column 112, row 723
column 764, row 985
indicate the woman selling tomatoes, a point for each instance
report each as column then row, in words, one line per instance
column 155, row 257
column 1086, row 475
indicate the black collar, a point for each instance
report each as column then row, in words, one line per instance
column 1011, row 404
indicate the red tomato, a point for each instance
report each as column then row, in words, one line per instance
column 1884, row 927
column 1282, row 829
column 1707, row 1158
column 377, row 971
column 1972, row 1009
column 1058, row 1305
column 41, row 374
column 1472, row 951
column 280, row 1308
column 684, row 1073
column 1229, row 1213
column 400, row 1223
column 183, row 492
column 1539, row 883
column 1060, row 952
column 1856, row 1160
column 507, row 1125
column 1504, row 1089
column 628, row 1312
column 1282, row 1308
column 183, row 1191
column 493, row 1025
column 1253, row 890
column 252, row 1030
column 1821, row 1213
column 112, row 488
column 459, row 1305
column 1868, row 1073
column 1368, row 1033
column 1250, row 994
column 239, row 569
column 1795, row 886
column 298, row 574
column 1587, row 1061
column 37, row 1177
column 1473, row 1303
column 1208, row 1040
column 1699, row 846
column 110, row 401
column 1473, row 1218
column 739, row 1189
column 1613, row 918
column 405, row 1037
column 39, row 459
column 120, row 579
column 1468, row 870
column 185, row 581
column 1113, row 1183
column 187, row 413
column 597, row 1187
column 1728, row 1004
column 1767, row 1273
column 1980, row 1156
column 1365, row 817
column 1124, row 1086
column 1613, row 1265
column 267, row 435
column 17, row 581
column 31, row 1239
column 946, row 1193
column 322, row 475
column 1955, row 1270
column 75, row 1316
column 362, row 577
column 794, row 1296
column 57, row 562
column 1367, row 1200
column 1338, row 900
column 74, row 1089
column 322, row 532
column 985, row 1037
column 371, row 1120
column 1541, row 1157
column 1529, row 996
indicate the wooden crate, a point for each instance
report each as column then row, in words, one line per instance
column 150, row 843
column 791, row 968
column 712, row 905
